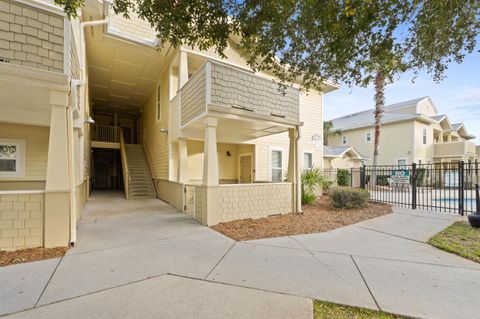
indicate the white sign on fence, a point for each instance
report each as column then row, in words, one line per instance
column 401, row 176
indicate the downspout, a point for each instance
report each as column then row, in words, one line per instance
column 73, row 88
column 298, row 172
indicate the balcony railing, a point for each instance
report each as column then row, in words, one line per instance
column 460, row 148
column 106, row 133
column 221, row 88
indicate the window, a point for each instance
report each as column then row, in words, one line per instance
column 344, row 140
column 11, row 158
column 402, row 162
column 424, row 136
column 276, row 165
column 159, row 107
column 307, row 160
column 368, row 137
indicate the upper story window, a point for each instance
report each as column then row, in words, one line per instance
column 307, row 160
column 276, row 164
column 368, row 137
column 344, row 140
column 158, row 103
column 402, row 162
column 12, row 161
column 424, row 136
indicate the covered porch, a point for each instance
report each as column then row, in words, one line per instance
column 216, row 117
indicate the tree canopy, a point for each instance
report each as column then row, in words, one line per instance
column 346, row 41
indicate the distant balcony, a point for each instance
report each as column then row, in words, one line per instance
column 454, row 149
column 105, row 136
column 220, row 89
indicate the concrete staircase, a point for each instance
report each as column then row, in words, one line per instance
column 140, row 183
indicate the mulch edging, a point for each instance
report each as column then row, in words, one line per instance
column 317, row 217
column 31, row 254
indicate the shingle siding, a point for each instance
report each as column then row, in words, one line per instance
column 30, row 37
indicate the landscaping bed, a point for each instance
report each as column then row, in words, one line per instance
column 31, row 254
column 461, row 239
column 328, row 310
column 316, row 217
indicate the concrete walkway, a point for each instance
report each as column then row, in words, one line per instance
column 143, row 259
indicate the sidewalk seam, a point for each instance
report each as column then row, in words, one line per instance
column 218, row 262
column 48, row 282
column 393, row 235
column 365, row 282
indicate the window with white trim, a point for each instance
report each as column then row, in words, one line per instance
column 368, row 137
column 344, row 140
column 424, row 136
column 11, row 158
column 158, row 103
column 276, row 165
column 402, row 162
column 307, row 160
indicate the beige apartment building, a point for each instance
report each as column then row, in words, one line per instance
column 90, row 103
column 412, row 132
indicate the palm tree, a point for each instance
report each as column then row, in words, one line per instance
column 328, row 130
column 379, row 109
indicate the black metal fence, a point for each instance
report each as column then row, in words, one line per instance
column 445, row 187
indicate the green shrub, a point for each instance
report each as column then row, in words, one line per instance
column 345, row 197
column 382, row 180
column 312, row 179
column 308, row 198
column 343, row 177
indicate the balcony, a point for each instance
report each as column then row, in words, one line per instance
column 253, row 105
column 106, row 136
column 35, row 35
column 460, row 149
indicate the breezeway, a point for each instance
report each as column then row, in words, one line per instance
column 142, row 258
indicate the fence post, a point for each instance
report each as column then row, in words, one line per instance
column 461, row 188
column 362, row 177
column 351, row 177
column 414, row 186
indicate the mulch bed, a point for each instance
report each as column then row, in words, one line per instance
column 31, row 254
column 317, row 217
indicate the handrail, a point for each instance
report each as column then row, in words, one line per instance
column 126, row 173
column 106, row 133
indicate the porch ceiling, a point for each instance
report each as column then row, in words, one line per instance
column 230, row 130
column 122, row 74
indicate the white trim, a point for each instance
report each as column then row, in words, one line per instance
column 19, row 160
column 303, row 158
column 158, row 102
column 240, row 168
column 43, row 6
column 270, row 150
column 21, row 192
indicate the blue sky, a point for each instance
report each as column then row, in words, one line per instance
column 458, row 95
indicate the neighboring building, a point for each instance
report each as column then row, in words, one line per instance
column 342, row 157
column 411, row 132
column 207, row 135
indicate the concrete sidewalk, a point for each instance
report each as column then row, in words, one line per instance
column 146, row 260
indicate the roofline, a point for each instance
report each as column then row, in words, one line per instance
column 416, row 117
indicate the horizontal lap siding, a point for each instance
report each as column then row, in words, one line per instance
column 36, row 148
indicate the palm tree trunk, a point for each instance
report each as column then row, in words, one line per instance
column 379, row 109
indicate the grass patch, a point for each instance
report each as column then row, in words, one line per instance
column 461, row 239
column 328, row 310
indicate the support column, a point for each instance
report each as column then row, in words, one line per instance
column 182, row 175
column 210, row 160
column 294, row 173
column 57, row 188
column 182, row 69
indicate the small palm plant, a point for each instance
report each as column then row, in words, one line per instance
column 311, row 179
